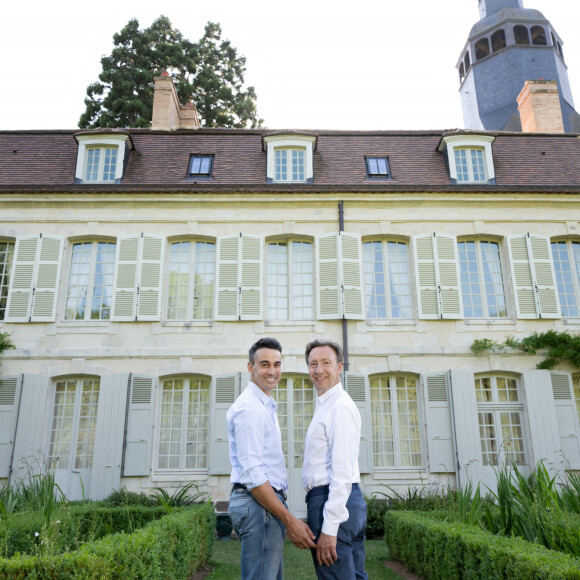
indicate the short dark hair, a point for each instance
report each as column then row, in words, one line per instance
column 321, row 342
column 267, row 342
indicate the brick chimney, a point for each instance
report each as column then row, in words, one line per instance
column 168, row 113
column 539, row 106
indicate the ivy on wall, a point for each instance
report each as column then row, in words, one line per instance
column 5, row 342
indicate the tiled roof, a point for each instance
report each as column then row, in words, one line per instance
column 46, row 160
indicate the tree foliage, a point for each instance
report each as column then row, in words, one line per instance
column 208, row 72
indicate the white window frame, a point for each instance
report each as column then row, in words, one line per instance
column 85, row 142
column 450, row 143
column 275, row 143
column 5, row 273
column 575, row 272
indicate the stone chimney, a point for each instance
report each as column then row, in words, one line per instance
column 539, row 107
column 168, row 113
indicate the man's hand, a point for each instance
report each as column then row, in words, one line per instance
column 300, row 534
column 326, row 550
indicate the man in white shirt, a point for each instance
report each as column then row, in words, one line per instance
column 337, row 510
column 258, row 498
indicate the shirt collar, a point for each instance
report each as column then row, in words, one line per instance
column 265, row 399
column 330, row 393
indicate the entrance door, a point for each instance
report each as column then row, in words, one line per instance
column 72, row 435
column 295, row 398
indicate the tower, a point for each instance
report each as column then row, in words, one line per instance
column 508, row 46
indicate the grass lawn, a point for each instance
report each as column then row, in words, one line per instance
column 297, row 563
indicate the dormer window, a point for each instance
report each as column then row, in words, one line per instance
column 378, row 167
column 289, row 158
column 102, row 158
column 469, row 158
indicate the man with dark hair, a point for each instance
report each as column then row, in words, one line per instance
column 258, row 498
column 337, row 510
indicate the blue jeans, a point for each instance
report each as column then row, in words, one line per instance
column 262, row 537
column 350, row 546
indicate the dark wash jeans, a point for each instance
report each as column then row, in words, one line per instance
column 350, row 546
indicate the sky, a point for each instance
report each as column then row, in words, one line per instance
column 315, row 64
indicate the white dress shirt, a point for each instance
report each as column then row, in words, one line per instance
column 255, row 440
column 331, row 453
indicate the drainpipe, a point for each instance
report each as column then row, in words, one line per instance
column 344, row 321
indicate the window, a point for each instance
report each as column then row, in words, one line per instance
column 467, row 62
column 469, row 165
column 498, row 40
column 469, row 158
column 377, row 167
column 521, row 34
column 482, row 283
column 6, row 257
column 386, row 279
column 102, row 158
column 201, row 166
column 184, row 423
column 566, row 257
column 290, row 280
column 90, row 287
column 101, row 164
column 481, row 48
column 576, row 387
column 289, row 158
column 538, row 36
column 191, row 281
column 395, row 420
column 500, row 413
column 289, row 165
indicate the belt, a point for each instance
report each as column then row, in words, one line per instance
column 280, row 492
column 323, row 490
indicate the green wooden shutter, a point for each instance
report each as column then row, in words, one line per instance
column 450, row 300
column 227, row 286
column 522, row 277
column 567, row 418
column 329, row 303
column 225, row 389
column 426, row 276
column 544, row 277
column 251, row 259
column 139, row 437
column 351, row 276
column 125, row 284
column 357, row 386
column 150, row 278
column 9, row 403
column 47, row 279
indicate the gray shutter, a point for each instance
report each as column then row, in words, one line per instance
column 545, row 279
column 29, row 444
column 567, row 418
column 47, row 279
column 125, row 284
column 227, row 284
column 9, row 402
column 351, row 276
column 22, row 279
column 522, row 280
column 357, row 386
column 139, row 437
column 225, row 389
column 451, row 302
column 439, row 427
column 251, row 259
column 426, row 276
column 150, row 277
column 329, row 303
column 109, row 432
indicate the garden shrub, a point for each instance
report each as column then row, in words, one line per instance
column 376, row 509
column 122, row 497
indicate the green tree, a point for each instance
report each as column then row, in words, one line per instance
column 210, row 73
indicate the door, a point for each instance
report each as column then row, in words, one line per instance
column 72, row 435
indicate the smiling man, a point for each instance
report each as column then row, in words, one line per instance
column 337, row 510
column 258, row 498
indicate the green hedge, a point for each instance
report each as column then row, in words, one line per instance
column 172, row 547
column 439, row 550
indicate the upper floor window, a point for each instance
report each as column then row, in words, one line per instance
column 386, row 279
column 90, row 287
column 566, row 257
column 6, row 257
column 201, row 166
column 521, row 34
column 289, row 158
column 481, row 48
column 290, row 278
column 191, row 281
column 101, row 165
column 378, row 167
column 289, row 164
column 469, row 165
column 469, row 158
column 482, row 284
column 538, row 36
column 498, row 40
column 101, row 158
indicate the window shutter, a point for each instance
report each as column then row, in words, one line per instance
column 22, row 280
column 439, row 428
column 426, row 276
column 351, row 276
column 251, row 303
column 139, row 436
column 544, row 277
column 29, row 443
column 47, row 279
column 125, row 284
column 227, row 287
column 357, row 386
column 329, row 303
column 225, row 389
column 109, row 432
column 9, row 402
column 567, row 419
column 447, row 270
column 149, row 297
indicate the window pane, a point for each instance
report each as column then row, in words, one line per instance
column 277, row 281
column 92, row 170
column 461, row 165
column 478, row 166
column 488, row 438
column 198, row 424
column 204, row 281
column 281, row 171
column 302, row 281
column 110, row 164
column 297, row 165
column 382, row 422
column 6, row 257
column 566, row 257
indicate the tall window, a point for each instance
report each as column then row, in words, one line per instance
column 521, row 34
column 101, row 164
column 90, row 286
column 289, row 165
column 498, row 40
column 184, row 423
column 395, row 419
column 191, row 281
column 482, row 283
column 73, row 425
column 576, row 387
column 500, row 412
column 290, row 281
column 386, row 279
column 470, row 165
column 6, row 257
column 566, row 257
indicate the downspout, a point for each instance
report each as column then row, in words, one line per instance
column 344, row 321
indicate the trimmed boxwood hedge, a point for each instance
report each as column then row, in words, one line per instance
column 439, row 550
column 171, row 547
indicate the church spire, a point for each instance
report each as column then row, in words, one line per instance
column 489, row 7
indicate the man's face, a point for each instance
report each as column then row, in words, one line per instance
column 324, row 368
column 266, row 369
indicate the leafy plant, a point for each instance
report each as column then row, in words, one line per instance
column 180, row 497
